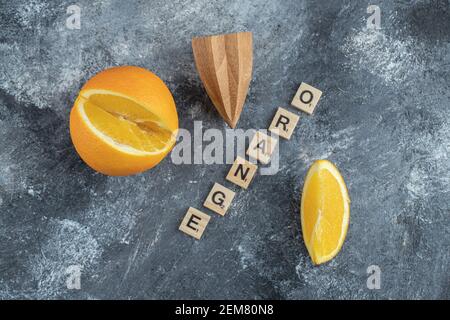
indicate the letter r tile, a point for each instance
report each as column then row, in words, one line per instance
column 284, row 123
column 219, row 199
column 194, row 223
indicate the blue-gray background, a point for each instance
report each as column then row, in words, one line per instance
column 383, row 119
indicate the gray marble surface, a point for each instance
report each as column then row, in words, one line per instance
column 383, row 119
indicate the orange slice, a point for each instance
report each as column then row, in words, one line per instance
column 325, row 211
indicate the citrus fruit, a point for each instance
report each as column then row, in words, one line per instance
column 124, row 121
column 325, row 211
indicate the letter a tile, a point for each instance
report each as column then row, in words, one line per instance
column 194, row 223
column 242, row 172
column 219, row 199
column 261, row 147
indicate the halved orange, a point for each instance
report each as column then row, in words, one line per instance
column 325, row 211
column 124, row 121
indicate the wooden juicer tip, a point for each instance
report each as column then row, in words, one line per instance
column 224, row 63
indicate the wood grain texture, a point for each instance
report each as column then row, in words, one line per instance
column 225, row 63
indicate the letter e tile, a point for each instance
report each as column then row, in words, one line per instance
column 194, row 223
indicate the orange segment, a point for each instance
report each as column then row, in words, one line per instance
column 120, row 105
column 139, row 85
column 325, row 211
column 126, row 123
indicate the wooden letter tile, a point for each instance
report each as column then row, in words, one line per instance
column 219, row 199
column 284, row 123
column 194, row 223
column 306, row 98
column 261, row 147
column 242, row 172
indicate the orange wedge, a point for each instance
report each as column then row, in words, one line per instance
column 124, row 121
column 325, row 211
